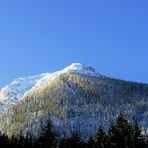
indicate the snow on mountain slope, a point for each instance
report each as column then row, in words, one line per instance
column 13, row 92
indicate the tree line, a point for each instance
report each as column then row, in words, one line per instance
column 121, row 134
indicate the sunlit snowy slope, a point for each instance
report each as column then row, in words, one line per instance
column 76, row 98
column 13, row 92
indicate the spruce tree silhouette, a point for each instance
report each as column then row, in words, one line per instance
column 47, row 139
column 73, row 142
column 125, row 134
column 101, row 138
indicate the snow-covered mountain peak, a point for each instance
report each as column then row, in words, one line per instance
column 82, row 69
column 79, row 67
column 13, row 92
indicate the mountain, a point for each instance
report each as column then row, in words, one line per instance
column 12, row 93
column 76, row 98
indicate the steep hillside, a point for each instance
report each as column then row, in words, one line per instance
column 11, row 93
column 76, row 99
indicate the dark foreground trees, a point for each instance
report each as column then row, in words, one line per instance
column 121, row 134
column 47, row 139
column 73, row 142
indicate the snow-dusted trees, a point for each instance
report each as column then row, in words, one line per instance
column 121, row 134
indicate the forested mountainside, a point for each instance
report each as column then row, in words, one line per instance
column 76, row 101
column 121, row 134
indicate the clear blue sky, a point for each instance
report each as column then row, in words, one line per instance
column 46, row 35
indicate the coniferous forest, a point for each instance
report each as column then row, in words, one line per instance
column 73, row 74
column 121, row 134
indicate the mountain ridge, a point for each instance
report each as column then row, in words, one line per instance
column 70, row 98
column 9, row 95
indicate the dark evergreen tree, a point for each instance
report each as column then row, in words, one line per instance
column 28, row 141
column 146, row 141
column 91, row 142
column 64, row 143
column 14, row 142
column 4, row 142
column 101, row 138
column 73, row 142
column 137, row 138
column 124, row 134
column 47, row 139
column 21, row 140
column 112, row 138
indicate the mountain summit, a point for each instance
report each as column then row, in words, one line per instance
column 14, row 91
column 80, row 68
column 76, row 98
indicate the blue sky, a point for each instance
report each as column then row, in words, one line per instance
column 44, row 36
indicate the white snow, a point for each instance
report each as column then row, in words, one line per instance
column 13, row 92
column 82, row 69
